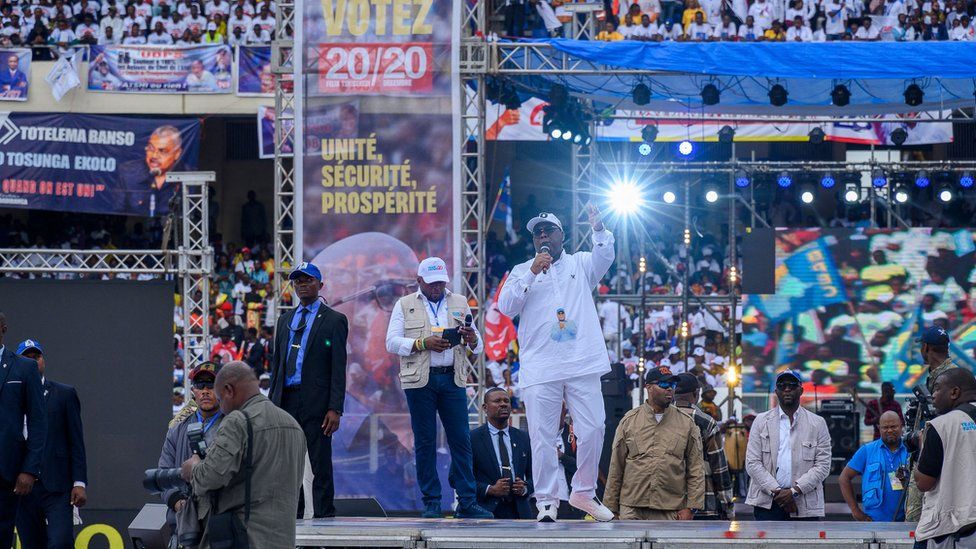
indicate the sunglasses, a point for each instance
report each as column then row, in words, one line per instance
column 787, row 386
column 539, row 231
column 666, row 384
column 201, row 385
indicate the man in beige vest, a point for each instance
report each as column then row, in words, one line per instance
column 433, row 372
column 946, row 471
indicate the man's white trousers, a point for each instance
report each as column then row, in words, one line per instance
column 543, row 408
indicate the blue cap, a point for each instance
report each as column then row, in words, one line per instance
column 789, row 373
column 306, row 268
column 934, row 335
column 29, row 344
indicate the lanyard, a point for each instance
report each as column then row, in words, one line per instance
column 434, row 311
column 891, row 457
column 209, row 424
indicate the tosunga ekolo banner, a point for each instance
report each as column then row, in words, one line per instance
column 90, row 163
column 380, row 192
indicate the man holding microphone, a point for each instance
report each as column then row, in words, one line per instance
column 431, row 332
column 563, row 355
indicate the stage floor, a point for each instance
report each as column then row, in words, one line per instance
column 451, row 533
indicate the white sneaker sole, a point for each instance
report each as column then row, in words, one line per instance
column 590, row 508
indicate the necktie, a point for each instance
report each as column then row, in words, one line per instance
column 296, row 344
column 503, row 454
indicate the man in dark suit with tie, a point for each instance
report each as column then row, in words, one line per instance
column 308, row 377
column 502, row 461
column 20, row 458
column 45, row 518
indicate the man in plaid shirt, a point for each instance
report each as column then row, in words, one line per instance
column 718, row 481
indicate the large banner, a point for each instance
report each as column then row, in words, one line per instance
column 254, row 76
column 379, row 194
column 525, row 124
column 14, row 74
column 849, row 304
column 161, row 69
column 92, row 163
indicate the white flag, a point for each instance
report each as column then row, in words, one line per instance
column 63, row 77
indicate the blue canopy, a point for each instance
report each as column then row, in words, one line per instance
column 876, row 73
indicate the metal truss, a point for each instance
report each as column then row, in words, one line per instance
column 285, row 205
column 540, row 58
column 837, row 167
column 473, row 191
column 582, row 160
column 192, row 261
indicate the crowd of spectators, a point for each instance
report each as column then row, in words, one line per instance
column 752, row 20
column 64, row 24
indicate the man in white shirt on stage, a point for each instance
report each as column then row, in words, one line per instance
column 563, row 355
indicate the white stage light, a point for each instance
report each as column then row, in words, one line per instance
column 669, row 197
column 711, row 195
column 625, row 197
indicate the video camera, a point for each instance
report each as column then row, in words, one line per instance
column 161, row 479
column 918, row 414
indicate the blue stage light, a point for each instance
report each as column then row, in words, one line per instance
column 922, row 179
column 966, row 180
column 878, row 178
column 827, row 181
column 644, row 149
column 741, row 179
column 784, row 180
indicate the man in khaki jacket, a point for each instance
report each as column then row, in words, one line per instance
column 433, row 372
column 657, row 471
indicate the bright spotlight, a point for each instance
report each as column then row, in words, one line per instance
column 945, row 194
column 556, row 133
column 686, row 148
column 711, row 196
column 644, row 149
column 901, row 195
column 852, row 194
column 567, row 135
column 625, row 198
column 966, row 180
column 827, row 181
column 806, row 196
column 669, row 197
column 784, row 180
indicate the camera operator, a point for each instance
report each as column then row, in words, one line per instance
column 935, row 353
column 946, row 471
column 177, row 447
column 237, row 507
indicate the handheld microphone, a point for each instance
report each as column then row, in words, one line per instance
column 545, row 250
column 467, row 321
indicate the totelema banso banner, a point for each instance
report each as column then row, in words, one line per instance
column 90, row 163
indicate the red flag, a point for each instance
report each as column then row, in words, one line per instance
column 499, row 329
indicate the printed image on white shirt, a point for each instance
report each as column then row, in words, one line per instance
column 562, row 329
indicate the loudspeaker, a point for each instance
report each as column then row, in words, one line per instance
column 149, row 529
column 845, row 436
column 359, row 507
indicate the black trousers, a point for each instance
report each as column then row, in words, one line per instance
column 55, row 508
column 319, row 454
column 8, row 513
column 775, row 512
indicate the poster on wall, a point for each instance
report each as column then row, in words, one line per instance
column 266, row 121
column 14, row 74
column 161, row 69
column 93, row 163
column 849, row 304
column 379, row 194
column 254, row 76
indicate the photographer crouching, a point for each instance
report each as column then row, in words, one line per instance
column 237, row 508
column 946, row 471
column 182, row 438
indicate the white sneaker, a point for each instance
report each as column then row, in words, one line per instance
column 547, row 513
column 592, row 507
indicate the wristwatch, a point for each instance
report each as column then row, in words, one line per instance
column 795, row 492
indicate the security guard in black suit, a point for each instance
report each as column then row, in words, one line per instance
column 502, row 461
column 308, row 377
column 20, row 458
column 45, row 518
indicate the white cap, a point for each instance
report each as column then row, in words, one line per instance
column 543, row 217
column 699, row 351
column 433, row 269
column 674, row 351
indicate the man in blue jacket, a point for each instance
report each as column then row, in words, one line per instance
column 45, row 518
column 20, row 457
column 883, row 466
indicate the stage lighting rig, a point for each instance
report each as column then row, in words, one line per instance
column 741, row 179
column 669, row 197
column 710, row 95
column 558, row 96
column 899, row 136
column 686, row 148
column 945, row 194
column 914, row 96
column 878, row 178
column 922, row 179
column 852, row 193
column 625, row 197
column 641, row 94
column 649, row 133
column 784, row 179
column 827, row 181
column 726, row 134
column 817, row 136
column 508, row 97
column 778, row 96
column 966, row 180
column 901, row 194
column 840, row 96
column 711, row 195
column 807, row 195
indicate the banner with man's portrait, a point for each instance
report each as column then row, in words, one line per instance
column 15, row 66
column 380, row 193
column 93, row 163
column 161, row 69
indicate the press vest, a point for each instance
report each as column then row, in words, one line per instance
column 415, row 368
column 950, row 506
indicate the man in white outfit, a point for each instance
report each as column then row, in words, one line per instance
column 562, row 355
